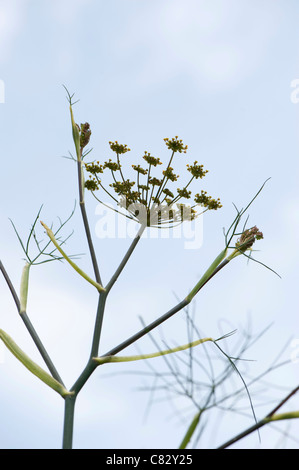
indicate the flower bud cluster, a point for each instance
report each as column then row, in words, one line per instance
column 248, row 238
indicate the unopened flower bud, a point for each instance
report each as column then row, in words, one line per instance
column 246, row 241
column 248, row 238
column 85, row 134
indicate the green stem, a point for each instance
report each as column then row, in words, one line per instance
column 105, row 359
column 86, row 224
column 119, row 165
column 211, row 271
column 30, row 328
column 178, row 197
column 147, row 329
column 103, row 296
column 257, row 426
column 272, row 416
column 69, row 410
column 190, row 431
column 34, row 368
column 74, row 266
column 85, row 375
column 90, row 244
column 148, row 178
column 98, row 324
column 165, row 179
column 168, row 314
column 283, row 416
column 125, row 259
column 107, row 192
column 10, row 286
column 24, row 288
column 42, row 350
column 76, row 138
column 91, row 364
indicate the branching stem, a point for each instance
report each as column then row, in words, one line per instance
column 85, row 222
column 30, row 327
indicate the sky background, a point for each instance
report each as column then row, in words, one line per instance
column 216, row 73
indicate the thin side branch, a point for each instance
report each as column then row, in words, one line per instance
column 30, row 328
column 268, row 418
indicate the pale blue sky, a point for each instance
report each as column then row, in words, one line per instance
column 218, row 74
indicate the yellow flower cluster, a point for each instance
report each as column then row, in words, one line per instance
column 153, row 193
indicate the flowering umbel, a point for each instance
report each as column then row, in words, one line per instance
column 148, row 199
